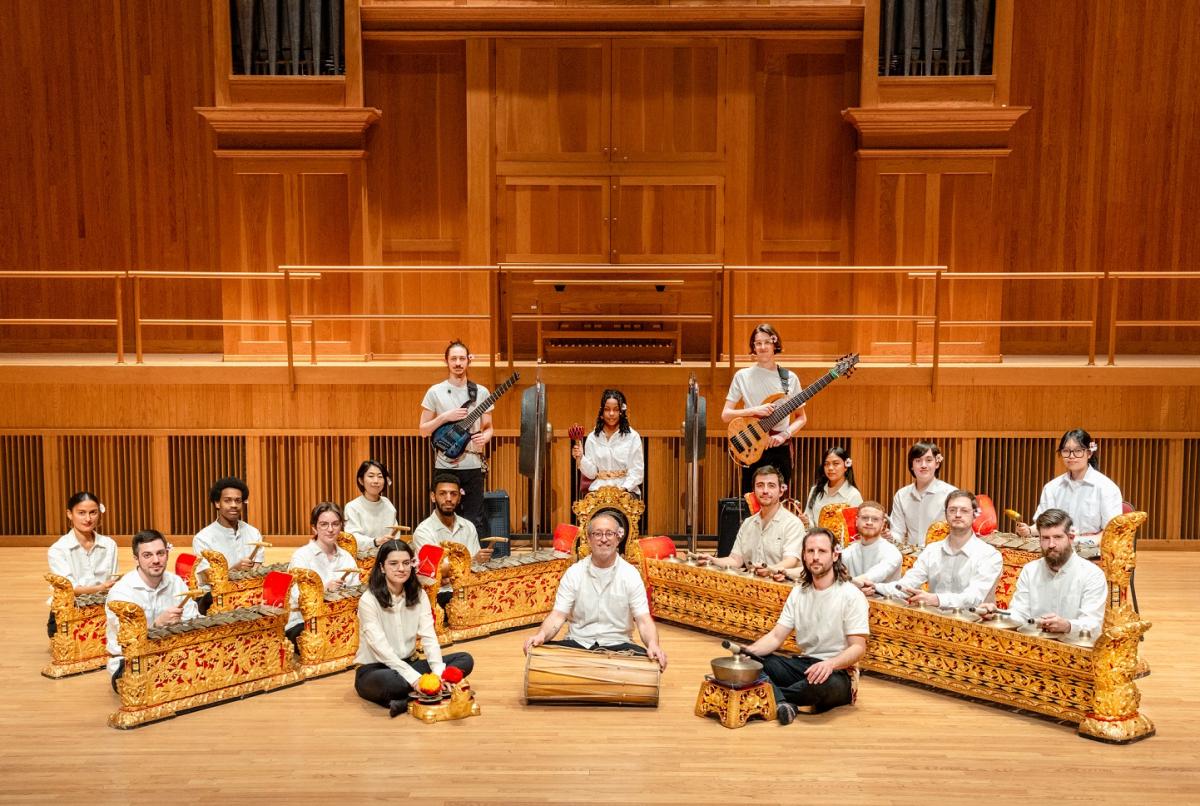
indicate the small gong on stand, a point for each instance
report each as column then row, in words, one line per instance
column 736, row 690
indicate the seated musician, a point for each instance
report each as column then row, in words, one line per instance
column 602, row 596
column 444, row 525
column 752, row 386
column 611, row 456
column 228, row 534
column 84, row 556
column 1091, row 498
column 392, row 614
column 833, row 484
column 321, row 554
column 919, row 504
column 371, row 516
column 151, row 587
column 769, row 541
column 872, row 558
column 829, row 617
column 1062, row 592
column 962, row 570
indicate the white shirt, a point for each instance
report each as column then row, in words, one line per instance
column 311, row 556
column 432, row 532
column 1078, row 593
column 367, row 520
column 878, row 562
column 759, row 543
column 619, row 452
column 443, row 397
column 1091, row 502
column 601, row 603
column 154, row 601
column 83, row 568
column 389, row 636
column 962, row 578
column 822, row 620
column 847, row 494
column 752, row 385
column 233, row 543
column 914, row 512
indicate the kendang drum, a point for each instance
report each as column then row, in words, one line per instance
column 557, row 675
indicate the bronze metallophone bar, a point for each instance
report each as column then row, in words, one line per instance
column 201, row 662
column 79, row 644
column 234, row 589
column 1092, row 687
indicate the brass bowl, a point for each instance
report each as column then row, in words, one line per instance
column 739, row 671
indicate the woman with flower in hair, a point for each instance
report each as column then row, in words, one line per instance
column 833, row 484
column 1091, row 498
column 611, row 456
column 83, row 556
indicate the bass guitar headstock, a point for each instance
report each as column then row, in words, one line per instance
column 845, row 365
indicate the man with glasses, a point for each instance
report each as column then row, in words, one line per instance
column 962, row 570
column 321, row 554
column 752, row 385
column 602, row 596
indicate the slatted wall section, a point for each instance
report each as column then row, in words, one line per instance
column 665, row 487
column 410, row 461
column 117, row 469
column 22, row 481
column 297, row 473
column 882, row 468
column 1012, row 471
column 504, row 475
column 1135, row 465
column 194, row 463
column 1189, row 528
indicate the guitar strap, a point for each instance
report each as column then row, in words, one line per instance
column 472, row 393
column 783, row 377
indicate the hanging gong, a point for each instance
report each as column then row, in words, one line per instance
column 533, row 429
column 694, row 424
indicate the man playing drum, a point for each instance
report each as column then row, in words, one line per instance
column 602, row 596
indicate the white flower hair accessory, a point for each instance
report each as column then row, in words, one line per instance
column 1091, row 447
column 102, row 509
column 849, row 462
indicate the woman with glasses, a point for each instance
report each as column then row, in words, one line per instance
column 321, row 554
column 392, row 614
column 1091, row 498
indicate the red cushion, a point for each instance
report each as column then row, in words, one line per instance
column 564, row 537
column 1126, row 507
column 184, row 564
column 657, row 548
column 986, row 521
column 850, row 515
column 275, row 588
column 428, row 559
column 752, row 500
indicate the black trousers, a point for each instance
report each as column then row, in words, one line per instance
column 625, row 647
column 120, row 671
column 780, row 458
column 790, row 685
column 471, row 506
column 293, row 633
column 380, row 684
column 51, row 626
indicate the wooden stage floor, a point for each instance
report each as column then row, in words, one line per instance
column 318, row 742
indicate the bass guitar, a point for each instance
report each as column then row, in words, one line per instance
column 750, row 436
column 451, row 439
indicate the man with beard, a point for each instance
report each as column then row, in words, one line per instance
column 769, row 541
column 872, row 558
column 444, row 526
column 228, row 534
column 962, row 570
column 1062, row 592
column 151, row 587
column 603, row 596
column 829, row 617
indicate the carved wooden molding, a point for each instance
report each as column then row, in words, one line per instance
column 934, row 126
column 245, row 127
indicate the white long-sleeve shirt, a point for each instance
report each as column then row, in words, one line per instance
column 1091, row 502
column 233, row 543
column 368, row 520
column 1078, row 593
column 878, row 562
column 154, row 601
column 913, row 512
column 83, row 568
column 962, row 578
column 847, row 494
column 620, row 452
column 389, row 636
column 312, row 557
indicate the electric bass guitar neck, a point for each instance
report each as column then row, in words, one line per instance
column 452, row 439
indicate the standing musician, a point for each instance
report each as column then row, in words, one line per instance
column 872, row 558
column 612, row 454
column 768, row 542
column 392, row 614
column 228, row 534
column 751, row 386
column 962, row 570
column 829, row 617
column 448, row 402
column 916, row 506
column 602, row 596
column 1062, row 592
column 371, row 516
column 151, row 587
column 1091, row 498
column 833, row 484
column 321, row 554
column 83, row 556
